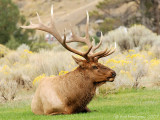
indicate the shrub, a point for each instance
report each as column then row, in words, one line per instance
column 135, row 69
column 121, row 37
column 40, row 43
column 23, row 47
column 141, row 37
column 12, row 43
column 137, row 36
column 8, row 89
column 109, row 24
column 51, row 63
column 3, row 51
column 43, row 45
column 156, row 48
column 95, row 14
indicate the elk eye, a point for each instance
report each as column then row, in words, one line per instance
column 94, row 67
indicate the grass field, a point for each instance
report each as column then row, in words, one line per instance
column 124, row 105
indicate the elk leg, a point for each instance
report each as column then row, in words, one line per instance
column 86, row 110
column 57, row 113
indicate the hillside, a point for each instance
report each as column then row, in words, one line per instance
column 65, row 11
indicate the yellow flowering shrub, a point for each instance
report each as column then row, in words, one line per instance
column 38, row 78
column 63, row 72
column 132, row 66
column 138, row 55
column 27, row 51
column 150, row 53
column 154, row 62
column 5, row 69
column 130, row 50
column 129, row 66
column 52, row 76
column 27, row 66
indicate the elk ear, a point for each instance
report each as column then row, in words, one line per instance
column 78, row 61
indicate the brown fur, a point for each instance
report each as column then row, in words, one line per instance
column 70, row 93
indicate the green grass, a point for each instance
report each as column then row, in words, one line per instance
column 125, row 105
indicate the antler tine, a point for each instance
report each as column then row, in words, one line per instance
column 108, row 52
column 75, row 38
column 87, row 26
column 52, row 12
column 112, row 51
column 86, row 39
column 52, row 21
column 53, row 27
column 39, row 19
column 104, row 53
column 98, row 53
column 52, row 30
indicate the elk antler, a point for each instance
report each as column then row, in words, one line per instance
column 88, row 55
column 52, row 30
column 104, row 53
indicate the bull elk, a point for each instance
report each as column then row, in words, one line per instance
column 70, row 93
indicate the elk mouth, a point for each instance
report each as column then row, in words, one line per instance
column 108, row 79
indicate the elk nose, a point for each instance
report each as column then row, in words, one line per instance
column 113, row 74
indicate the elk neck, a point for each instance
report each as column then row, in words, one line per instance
column 77, row 88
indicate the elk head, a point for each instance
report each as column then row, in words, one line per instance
column 96, row 71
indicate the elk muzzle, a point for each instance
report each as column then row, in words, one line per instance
column 111, row 77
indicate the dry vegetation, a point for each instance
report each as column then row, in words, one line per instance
column 137, row 66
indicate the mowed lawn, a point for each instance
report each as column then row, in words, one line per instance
column 124, row 105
